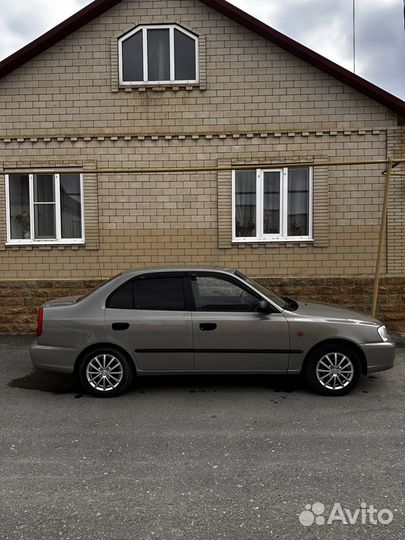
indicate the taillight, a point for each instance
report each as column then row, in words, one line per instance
column 40, row 321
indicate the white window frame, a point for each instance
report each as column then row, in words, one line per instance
column 58, row 216
column 282, row 236
column 144, row 29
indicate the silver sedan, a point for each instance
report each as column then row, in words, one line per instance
column 204, row 320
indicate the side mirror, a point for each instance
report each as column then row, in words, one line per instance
column 264, row 307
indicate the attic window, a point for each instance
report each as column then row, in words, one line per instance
column 158, row 54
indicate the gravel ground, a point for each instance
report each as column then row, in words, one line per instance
column 202, row 458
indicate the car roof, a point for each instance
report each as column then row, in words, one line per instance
column 154, row 269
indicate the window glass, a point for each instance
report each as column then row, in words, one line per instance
column 44, row 221
column 216, row 294
column 121, row 298
column 19, row 196
column 160, row 293
column 44, row 207
column 70, row 206
column 158, row 55
column 298, row 202
column 184, row 50
column 44, row 188
column 245, row 203
column 271, row 202
column 132, row 58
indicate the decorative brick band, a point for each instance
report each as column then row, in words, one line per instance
column 86, row 137
column 20, row 299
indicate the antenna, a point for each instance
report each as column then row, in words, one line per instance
column 354, row 35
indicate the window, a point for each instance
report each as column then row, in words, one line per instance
column 216, row 294
column 152, row 293
column 44, row 208
column 272, row 205
column 159, row 293
column 122, row 298
column 158, row 54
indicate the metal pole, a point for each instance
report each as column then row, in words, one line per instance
column 381, row 239
column 354, row 36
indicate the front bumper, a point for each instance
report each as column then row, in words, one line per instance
column 60, row 359
column 379, row 356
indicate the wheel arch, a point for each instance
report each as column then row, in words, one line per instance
column 337, row 341
column 96, row 346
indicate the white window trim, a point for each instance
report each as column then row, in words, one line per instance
column 146, row 82
column 282, row 237
column 34, row 242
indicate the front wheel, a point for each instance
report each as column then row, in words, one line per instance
column 105, row 372
column 333, row 370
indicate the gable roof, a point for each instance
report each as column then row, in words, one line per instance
column 98, row 7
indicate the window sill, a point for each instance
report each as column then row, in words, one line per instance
column 23, row 244
column 160, row 87
column 298, row 240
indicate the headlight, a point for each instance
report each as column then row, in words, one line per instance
column 384, row 335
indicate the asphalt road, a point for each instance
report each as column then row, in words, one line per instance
column 203, row 458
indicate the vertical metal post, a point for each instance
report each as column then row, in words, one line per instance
column 354, row 36
column 381, row 238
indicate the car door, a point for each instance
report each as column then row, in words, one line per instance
column 229, row 333
column 147, row 315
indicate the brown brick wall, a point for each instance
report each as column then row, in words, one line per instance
column 20, row 299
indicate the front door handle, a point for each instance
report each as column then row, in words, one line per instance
column 120, row 326
column 206, row 327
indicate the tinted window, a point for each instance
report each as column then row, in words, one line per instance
column 216, row 294
column 122, row 297
column 160, row 293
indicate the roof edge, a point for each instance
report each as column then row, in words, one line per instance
column 56, row 34
column 371, row 90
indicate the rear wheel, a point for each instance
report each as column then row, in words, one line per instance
column 333, row 370
column 105, row 372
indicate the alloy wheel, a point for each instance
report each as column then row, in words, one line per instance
column 104, row 372
column 334, row 371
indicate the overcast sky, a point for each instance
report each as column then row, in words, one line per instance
column 322, row 25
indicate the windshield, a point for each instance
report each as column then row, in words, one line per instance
column 264, row 290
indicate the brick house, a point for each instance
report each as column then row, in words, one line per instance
column 171, row 132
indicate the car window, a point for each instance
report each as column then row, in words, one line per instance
column 149, row 293
column 121, row 298
column 267, row 292
column 159, row 293
column 217, row 294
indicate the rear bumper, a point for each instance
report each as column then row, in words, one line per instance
column 379, row 356
column 60, row 359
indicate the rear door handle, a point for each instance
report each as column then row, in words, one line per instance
column 120, row 326
column 206, row 327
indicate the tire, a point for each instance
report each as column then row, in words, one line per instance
column 333, row 370
column 105, row 372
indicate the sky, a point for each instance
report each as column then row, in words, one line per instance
column 322, row 25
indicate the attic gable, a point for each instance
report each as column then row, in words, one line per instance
column 98, row 7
